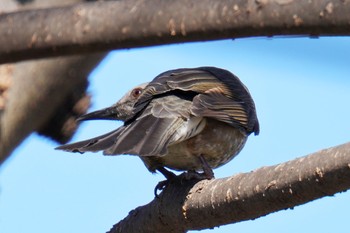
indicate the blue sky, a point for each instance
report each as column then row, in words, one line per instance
column 301, row 88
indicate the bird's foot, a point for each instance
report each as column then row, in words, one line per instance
column 207, row 174
column 193, row 175
column 207, row 171
column 162, row 184
column 160, row 187
column 182, row 178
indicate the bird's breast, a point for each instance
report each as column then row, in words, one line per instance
column 218, row 143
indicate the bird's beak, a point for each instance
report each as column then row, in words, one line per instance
column 109, row 113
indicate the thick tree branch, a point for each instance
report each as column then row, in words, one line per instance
column 108, row 25
column 206, row 204
column 38, row 95
column 39, row 89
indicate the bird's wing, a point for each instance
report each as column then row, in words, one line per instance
column 216, row 93
column 233, row 95
column 164, row 121
column 94, row 144
column 216, row 105
column 184, row 83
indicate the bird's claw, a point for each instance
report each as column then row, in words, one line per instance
column 185, row 176
column 160, row 187
column 193, row 175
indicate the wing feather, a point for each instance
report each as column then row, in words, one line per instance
column 94, row 144
column 222, row 109
column 218, row 94
column 164, row 122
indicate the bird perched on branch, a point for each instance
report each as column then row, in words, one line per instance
column 185, row 119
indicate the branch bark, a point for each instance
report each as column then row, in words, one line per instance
column 36, row 92
column 102, row 26
column 210, row 203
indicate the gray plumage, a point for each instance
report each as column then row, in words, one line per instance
column 184, row 119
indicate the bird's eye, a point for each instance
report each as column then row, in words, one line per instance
column 136, row 92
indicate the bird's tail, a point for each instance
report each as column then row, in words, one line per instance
column 94, row 144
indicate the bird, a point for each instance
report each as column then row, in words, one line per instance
column 189, row 119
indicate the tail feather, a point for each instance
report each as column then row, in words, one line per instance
column 94, row 144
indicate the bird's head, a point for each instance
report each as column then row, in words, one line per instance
column 121, row 110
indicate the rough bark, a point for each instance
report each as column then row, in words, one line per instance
column 110, row 25
column 44, row 96
column 210, row 203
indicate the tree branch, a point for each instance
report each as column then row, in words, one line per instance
column 210, row 203
column 102, row 26
column 38, row 95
